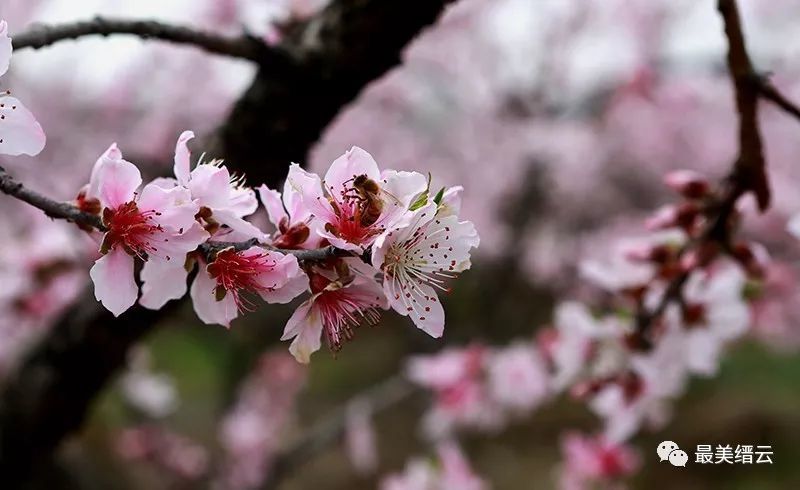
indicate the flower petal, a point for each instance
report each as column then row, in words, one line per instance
column 175, row 206
column 273, row 204
column 285, row 282
column 305, row 326
column 116, row 179
column 114, row 284
column 211, row 186
column 5, row 48
column 353, row 163
column 208, row 309
column 182, row 158
column 20, row 133
column 162, row 281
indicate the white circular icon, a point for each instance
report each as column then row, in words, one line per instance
column 669, row 451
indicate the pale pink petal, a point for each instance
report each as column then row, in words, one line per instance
column 5, row 48
column 211, row 186
column 175, row 246
column 20, row 133
column 419, row 302
column 162, row 281
column 114, row 284
column 182, row 167
column 238, row 224
column 117, row 179
column 242, row 201
column 285, row 282
column 273, row 204
column 305, row 326
column 403, row 186
column 175, row 206
column 292, row 198
column 308, row 187
column 345, row 168
column 451, row 201
column 208, row 309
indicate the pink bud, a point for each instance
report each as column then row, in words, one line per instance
column 688, row 183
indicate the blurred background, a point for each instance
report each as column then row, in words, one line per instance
column 559, row 118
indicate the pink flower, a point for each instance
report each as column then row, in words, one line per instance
column 461, row 398
column 223, row 199
column 356, row 202
column 20, row 133
column 289, row 214
column 517, row 377
column 337, row 306
column 590, row 461
column 220, row 291
column 418, row 259
column 157, row 226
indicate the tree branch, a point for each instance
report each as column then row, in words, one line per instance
column 52, row 208
column 246, row 47
column 749, row 169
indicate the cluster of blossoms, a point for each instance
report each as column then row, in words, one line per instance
column 480, row 388
column 671, row 302
column 384, row 240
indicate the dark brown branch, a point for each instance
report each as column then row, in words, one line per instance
column 246, row 47
column 52, row 208
column 749, row 171
column 749, row 168
column 330, row 429
column 770, row 93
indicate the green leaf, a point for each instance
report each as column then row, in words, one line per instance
column 439, row 196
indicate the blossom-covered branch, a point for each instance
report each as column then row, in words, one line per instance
column 747, row 175
column 284, row 110
column 70, row 212
column 246, row 47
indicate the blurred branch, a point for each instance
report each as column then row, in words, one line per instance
column 337, row 53
column 749, row 169
column 52, row 208
column 749, row 172
column 330, row 429
column 769, row 92
column 245, row 46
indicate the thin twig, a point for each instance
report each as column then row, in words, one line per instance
column 770, row 93
column 244, row 46
column 52, row 208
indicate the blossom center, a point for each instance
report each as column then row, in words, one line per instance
column 237, row 273
column 131, row 229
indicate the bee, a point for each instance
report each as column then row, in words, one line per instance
column 371, row 199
